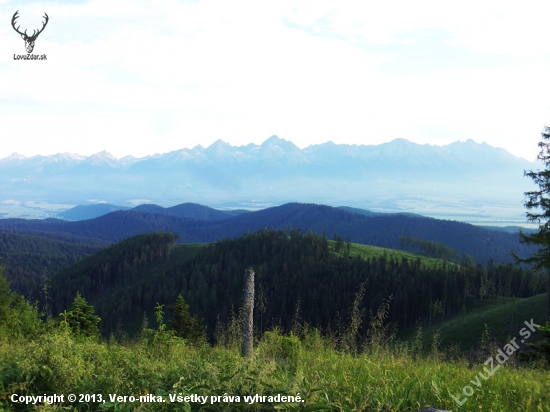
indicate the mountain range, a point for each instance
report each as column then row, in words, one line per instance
column 194, row 223
column 460, row 178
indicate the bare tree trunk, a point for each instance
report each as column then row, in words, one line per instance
column 248, row 311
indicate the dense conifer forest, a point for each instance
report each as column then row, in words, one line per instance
column 295, row 273
column 27, row 259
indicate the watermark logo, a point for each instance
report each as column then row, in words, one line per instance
column 29, row 40
column 502, row 356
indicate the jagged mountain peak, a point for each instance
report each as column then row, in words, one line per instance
column 15, row 156
column 219, row 143
column 104, row 154
column 219, row 149
column 103, row 158
column 276, row 140
column 66, row 156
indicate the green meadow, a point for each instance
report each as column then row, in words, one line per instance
column 376, row 376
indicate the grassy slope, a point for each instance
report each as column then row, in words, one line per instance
column 504, row 320
column 326, row 379
column 503, row 317
column 368, row 251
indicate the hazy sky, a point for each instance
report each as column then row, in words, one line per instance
column 142, row 77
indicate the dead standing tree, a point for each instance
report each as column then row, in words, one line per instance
column 248, row 311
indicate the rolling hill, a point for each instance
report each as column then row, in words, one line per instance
column 27, row 258
column 503, row 317
column 81, row 212
column 379, row 230
column 292, row 271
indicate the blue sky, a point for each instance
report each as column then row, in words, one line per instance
column 142, row 77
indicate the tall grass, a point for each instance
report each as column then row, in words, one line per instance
column 385, row 375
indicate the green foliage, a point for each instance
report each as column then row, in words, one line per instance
column 325, row 378
column 380, row 334
column 540, row 351
column 126, row 280
column 350, row 336
column 18, row 318
column 184, row 325
column 25, row 258
column 120, row 280
column 504, row 316
column 538, row 205
column 284, row 350
column 113, row 267
column 81, row 318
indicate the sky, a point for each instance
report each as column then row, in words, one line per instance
column 141, row 77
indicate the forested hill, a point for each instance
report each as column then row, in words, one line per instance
column 111, row 268
column 292, row 271
column 26, row 259
column 380, row 230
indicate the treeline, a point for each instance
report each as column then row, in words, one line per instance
column 429, row 248
column 26, row 259
column 298, row 279
column 116, row 266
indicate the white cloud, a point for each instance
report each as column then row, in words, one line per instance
column 139, row 77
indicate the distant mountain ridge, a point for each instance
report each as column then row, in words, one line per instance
column 277, row 172
column 81, row 212
column 379, row 229
column 281, row 151
column 189, row 210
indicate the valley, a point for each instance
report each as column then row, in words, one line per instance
column 407, row 283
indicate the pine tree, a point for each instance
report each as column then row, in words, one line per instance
column 81, row 318
column 184, row 325
column 538, row 204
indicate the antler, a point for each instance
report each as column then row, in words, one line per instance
column 43, row 26
column 34, row 33
column 15, row 16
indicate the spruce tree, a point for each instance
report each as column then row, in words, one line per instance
column 538, row 204
column 81, row 318
column 183, row 324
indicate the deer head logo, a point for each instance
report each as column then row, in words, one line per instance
column 29, row 40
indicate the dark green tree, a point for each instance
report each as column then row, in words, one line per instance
column 537, row 203
column 540, row 350
column 184, row 325
column 81, row 318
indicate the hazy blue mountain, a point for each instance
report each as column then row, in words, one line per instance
column 511, row 229
column 83, row 212
column 368, row 212
column 395, row 176
column 190, row 210
column 358, row 211
column 380, row 229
